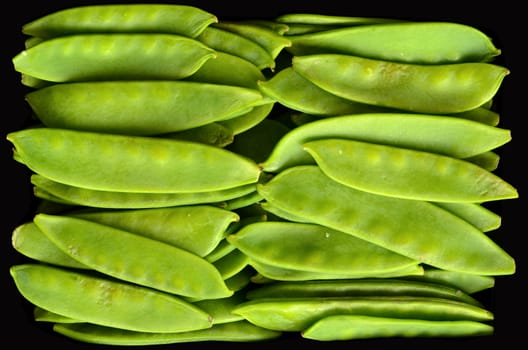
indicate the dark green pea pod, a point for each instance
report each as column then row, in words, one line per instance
column 487, row 160
column 122, row 18
column 105, row 301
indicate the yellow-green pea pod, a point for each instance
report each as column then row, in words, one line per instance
column 312, row 247
column 144, row 107
column 404, row 173
column 221, row 309
column 487, row 160
column 348, row 327
column 105, row 301
column 282, row 214
column 480, row 114
column 134, row 258
column 43, row 315
column 195, row 228
column 89, row 57
column 235, row 44
column 122, row 18
column 239, row 331
column 475, row 213
column 240, row 280
column 297, row 314
column 213, row 133
column 417, row 229
column 222, row 249
column 436, row 89
column 34, row 83
column 32, row 41
column 324, row 19
column 243, row 201
column 432, row 133
column 270, row 40
column 469, row 283
column 279, row 28
column 29, row 240
column 125, row 163
column 411, row 42
column 248, row 120
column 231, row 263
column 62, row 193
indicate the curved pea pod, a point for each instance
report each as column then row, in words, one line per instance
column 445, row 135
column 488, row 160
column 238, row 45
column 122, row 18
column 125, row 163
column 241, row 279
column 139, row 107
column 196, row 228
column 468, row 283
column 297, row 314
column 106, row 301
column 404, row 173
column 85, row 57
column 221, row 309
column 435, row 89
column 412, row 42
column 213, row 133
column 480, row 114
column 476, row 214
column 248, row 120
column 324, row 19
column 239, row 331
column 43, row 315
column 347, row 327
column 231, row 263
column 62, row 193
column 243, row 201
column 133, row 258
column 30, row 241
column 312, row 247
column 417, row 229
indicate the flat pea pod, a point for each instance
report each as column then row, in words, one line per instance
column 72, row 195
column 29, row 240
column 195, row 228
column 297, row 314
column 86, row 57
column 213, row 133
column 411, row 42
column 403, row 173
column 417, row 229
column 108, row 162
column 347, row 327
column 241, row 279
column 220, row 309
column 488, row 160
column 432, row 133
column 43, row 315
column 467, row 282
column 248, row 120
column 475, row 213
column 122, row 18
column 133, row 258
column 141, row 107
column 437, row 89
column 312, row 247
column 231, row 263
column 106, row 301
column 239, row 331
column 324, row 19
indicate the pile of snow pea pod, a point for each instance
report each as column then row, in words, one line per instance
column 200, row 179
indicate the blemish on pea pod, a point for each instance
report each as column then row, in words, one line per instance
column 347, row 327
column 416, row 229
column 213, row 133
column 134, row 258
column 122, row 18
column 143, row 107
column 125, row 163
column 403, row 173
column 106, row 302
column 436, row 89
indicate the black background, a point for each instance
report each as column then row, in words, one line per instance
column 499, row 20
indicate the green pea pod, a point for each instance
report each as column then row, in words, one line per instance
column 86, row 57
column 412, row 42
column 403, row 173
column 324, row 19
column 467, row 282
column 139, row 107
column 241, row 279
column 348, row 327
column 43, row 315
column 476, row 214
column 125, row 163
column 122, row 18
column 488, row 160
column 213, row 133
column 231, row 263
column 436, row 89
column 195, row 228
column 417, row 229
column 239, row 331
column 62, row 193
column 221, row 309
column 248, row 120
column 106, row 301
column 133, row 258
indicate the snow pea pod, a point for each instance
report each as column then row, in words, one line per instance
column 195, row 228
column 62, row 193
column 403, row 173
column 122, row 18
column 43, row 315
column 436, row 89
column 213, row 133
column 297, row 314
column 220, row 309
column 139, row 107
column 432, row 133
column 475, row 213
column 133, row 258
column 106, row 302
column 125, row 163
column 411, row 42
column 231, row 263
column 324, row 19
column 467, row 282
column 248, row 120
column 417, row 229
column 347, row 327
column 86, row 57
column 488, row 160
